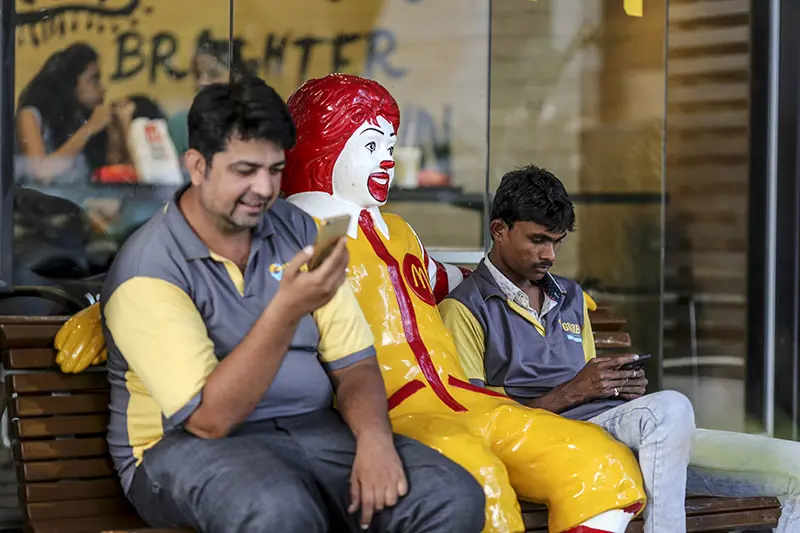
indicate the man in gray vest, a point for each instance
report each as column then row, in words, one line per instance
column 225, row 352
column 525, row 332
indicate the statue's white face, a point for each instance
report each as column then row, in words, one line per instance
column 364, row 170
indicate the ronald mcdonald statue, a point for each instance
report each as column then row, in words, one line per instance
column 343, row 164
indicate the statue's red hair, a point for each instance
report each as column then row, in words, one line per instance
column 327, row 111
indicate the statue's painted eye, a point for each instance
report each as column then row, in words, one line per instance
column 371, row 146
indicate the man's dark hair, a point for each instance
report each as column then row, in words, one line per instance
column 246, row 108
column 532, row 194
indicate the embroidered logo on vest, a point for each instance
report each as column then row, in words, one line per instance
column 572, row 331
column 417, row 279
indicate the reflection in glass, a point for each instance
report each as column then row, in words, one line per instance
column 100, row 127
column 62, row 120
column 706, row 219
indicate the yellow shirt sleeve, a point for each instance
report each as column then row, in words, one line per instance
column 587, row 336
column 468, row 336
column 160, row 333
column 344, row 334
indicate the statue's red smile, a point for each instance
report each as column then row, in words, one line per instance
column 378, row 185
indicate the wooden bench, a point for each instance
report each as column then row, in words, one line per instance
column 66, row 480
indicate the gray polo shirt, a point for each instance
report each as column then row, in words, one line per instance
column 172, row 309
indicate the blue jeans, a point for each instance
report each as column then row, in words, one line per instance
column 677, row 459
column 292, row 475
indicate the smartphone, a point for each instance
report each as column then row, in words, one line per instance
column 636, row 365
column 329, row 232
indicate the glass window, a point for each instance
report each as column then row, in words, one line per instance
column 577, row 86
column 706, row 219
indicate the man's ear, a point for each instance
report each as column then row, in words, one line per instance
column 197, row 166
column 497, row 228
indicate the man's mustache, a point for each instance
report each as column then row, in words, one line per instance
column 254, row 199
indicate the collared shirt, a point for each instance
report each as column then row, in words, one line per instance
column 518, row 296
column 173, row 309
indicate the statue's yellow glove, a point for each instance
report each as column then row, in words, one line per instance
column 80, row 343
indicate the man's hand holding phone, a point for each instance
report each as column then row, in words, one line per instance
column 303, row 291
column 635, row 386
column 329, row 232
column 605, row 378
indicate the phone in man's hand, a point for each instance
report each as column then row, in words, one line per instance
column 636, row 365
column 329, row 232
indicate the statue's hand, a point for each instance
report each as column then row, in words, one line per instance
column 80, row 341
column 591, row 305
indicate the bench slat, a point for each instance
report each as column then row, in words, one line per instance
column 28, row 336
column 56, row 382
column 704, row 505
column 152, row 531
column 61, row 449
column 71, row 490
column 27, row 406
column 67, row 469
column 93, row 523
column 29, row 358
column 605, row 321
column 764, row 518
column 34, row 320
column 59, row 426
column 78, row 508
column 535, row 515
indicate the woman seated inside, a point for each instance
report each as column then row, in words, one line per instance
column 64, row 130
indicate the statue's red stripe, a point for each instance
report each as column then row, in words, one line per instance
column 455, row 382
column 407, row 314
column 404, row 392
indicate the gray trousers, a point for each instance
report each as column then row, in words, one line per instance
column 292, row 475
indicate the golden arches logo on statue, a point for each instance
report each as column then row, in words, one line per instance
column 417, row 278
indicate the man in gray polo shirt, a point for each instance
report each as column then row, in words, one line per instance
column 525, row 332
column 225, row 353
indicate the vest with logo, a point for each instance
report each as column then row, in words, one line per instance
column 520, row 358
